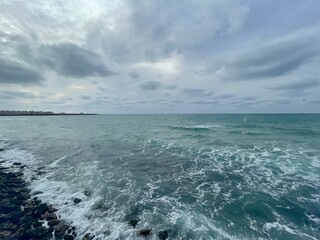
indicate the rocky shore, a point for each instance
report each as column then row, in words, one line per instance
column 23, row 216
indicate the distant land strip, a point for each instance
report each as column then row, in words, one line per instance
column 38, row 113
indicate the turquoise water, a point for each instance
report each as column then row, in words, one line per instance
column 188, row 176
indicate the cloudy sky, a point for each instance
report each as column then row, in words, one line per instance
column 148, row 56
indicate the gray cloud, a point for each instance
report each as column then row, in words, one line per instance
column 225, row 96
column 17, row 94
column 193, row 54
column 71, row 60
column 271, row 60
column 150, row 85
column 297, row 85
column 134, row 75
column 197, row 92
column 178, row 28
column 84, row 97
column 15, row 72
column 206, row 102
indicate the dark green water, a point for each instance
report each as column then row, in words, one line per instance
column 187, row 176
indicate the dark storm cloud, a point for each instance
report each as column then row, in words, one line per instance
column 15, row 72
column 17, row 94
column 150, row 85
column 272, row 60
column 71, row 60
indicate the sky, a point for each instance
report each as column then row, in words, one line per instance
column 160, row 56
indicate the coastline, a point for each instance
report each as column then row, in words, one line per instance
column 24, row 216
column 8, row 113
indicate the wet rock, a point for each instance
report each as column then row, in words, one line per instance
column 51, row 209
column 133, row 222
column 145, row 232
column 60, row 229
column 77, row 200
column 5, row 234
column 41, row 209
column 37, row 224
column 37, row 192
column 53, row 222
column 8, row 226
column 88, row 236
column 164, row 234
column 29, row 205
column 15, row 216
column 68, row 237
column 44, row 216
column 24, row 195
column 51, row 216
column 40, row 232
column 7, row 209
column 87, row 193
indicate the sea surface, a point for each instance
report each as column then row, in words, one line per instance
column 183, row 176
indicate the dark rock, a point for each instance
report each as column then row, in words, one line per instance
column 1, row 149
column 5, row 234
column 8, row 226
column 145, row 232
column 77, row 200
column 88, row 236
column 41, row 209
column 133, row 222
column 15, row 216
column 16, row 163
column 37, row 202
column 37, row 192
column 18, row 174
column 68, row 237
column 40, row 232
column 164, row 234
column 44, row 216
column 37, row 224
column 24, row 196
column 29, row 205
column 8, row 208
column 51, row 209
column 53, row 222
column 60, row 229
column 51, row 216
column 22, row 234
column 87, row 193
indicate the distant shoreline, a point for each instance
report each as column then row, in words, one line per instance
column 40, row 113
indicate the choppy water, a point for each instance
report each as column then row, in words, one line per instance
column 192, row 176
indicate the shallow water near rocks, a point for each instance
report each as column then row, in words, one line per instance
column 180, row 176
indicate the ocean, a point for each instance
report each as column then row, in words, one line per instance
column 248, row 176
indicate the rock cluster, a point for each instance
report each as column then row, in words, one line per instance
column 23, row 217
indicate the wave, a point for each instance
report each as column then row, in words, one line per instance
column 194, row 127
